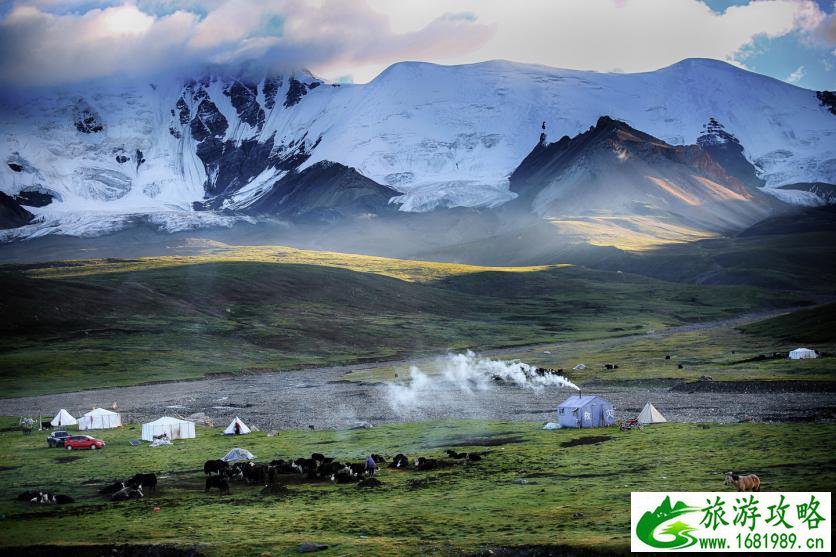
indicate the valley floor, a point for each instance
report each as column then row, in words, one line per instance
column 533, row 487
column 773, row 390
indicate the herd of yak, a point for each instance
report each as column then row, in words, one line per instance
column 318, row 467
column 273, row 476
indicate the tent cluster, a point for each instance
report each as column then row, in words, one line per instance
column 98, row 418
column 593, row 411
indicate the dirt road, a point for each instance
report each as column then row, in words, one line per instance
column 324, row 399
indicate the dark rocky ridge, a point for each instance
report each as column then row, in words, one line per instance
column 12, row 214
column 828, row 99
column 326, row 191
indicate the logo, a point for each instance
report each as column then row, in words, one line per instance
column 680, row 531
column 730, row 521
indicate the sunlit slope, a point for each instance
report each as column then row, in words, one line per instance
column 82, row 324
column 216, row 252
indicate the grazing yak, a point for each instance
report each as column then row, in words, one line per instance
column 126, row 493
column 255, row 473
column 422, row 463
column 145, row 481
column 743, row 483
column 45, row 498
column 400, row 461
column 473, row 457
column 218, row 482
column 344, row 476
column 378, row 459
column 112, row 488
column 453, row 454
column 215, row 467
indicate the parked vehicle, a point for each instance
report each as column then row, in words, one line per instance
column 57, row 438
column 83, row 442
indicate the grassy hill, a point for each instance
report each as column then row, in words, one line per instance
column 81, row 324
column 815, row 325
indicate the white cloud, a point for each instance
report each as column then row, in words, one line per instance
column 796, row 75
column 359, row 38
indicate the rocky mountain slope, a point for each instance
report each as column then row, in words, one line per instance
column 613, row 169
column 97, row 157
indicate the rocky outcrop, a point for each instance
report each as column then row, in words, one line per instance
column 828, row 99
column 326, row 191
column 12, row 214
column 244, row 97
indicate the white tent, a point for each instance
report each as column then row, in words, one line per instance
column 241, row 428
column 238, row 454
column 802, row 354
column 63, row 418
column 649, row 415
column 173, row 428
column 99, row 418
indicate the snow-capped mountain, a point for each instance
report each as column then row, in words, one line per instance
column 178, row 151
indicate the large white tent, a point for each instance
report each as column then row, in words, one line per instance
column 63, row 418
column 99, row 418
column 649, row 415
column 173, row 428
column 803, row 354
column 236, row 427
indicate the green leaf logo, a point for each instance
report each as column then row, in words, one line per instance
column 681, row 532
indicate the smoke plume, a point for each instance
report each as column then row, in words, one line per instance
column 463, row 375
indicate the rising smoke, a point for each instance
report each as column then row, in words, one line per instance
column 463, row 376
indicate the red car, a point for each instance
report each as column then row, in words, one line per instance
column 83, row 442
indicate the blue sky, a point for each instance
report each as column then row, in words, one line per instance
column 789, row 56
column 53, row 41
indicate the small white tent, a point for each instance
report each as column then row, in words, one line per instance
column 173, row 428
column 63, row 418
column 803, row 354
column 237, row 427
column 99, row 418
column 649, row 415
column 238, row 454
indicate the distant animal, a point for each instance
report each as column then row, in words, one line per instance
column 378, row 459
column 668, row 357
column 112, row 488
column 343, row 476
column 743, row 483
column 319, row 457
column 400, row 461
column 453, row 454
column 215, row 467
column 146, row 481
column 218, row 482
column 422, row 463
column 28, row 495
column 473, row 457
column 358, row 468
column 609, row 366
column 45, row 498
column 679, row 366
column 46, row 425
column 255, row 473
column 126, row 493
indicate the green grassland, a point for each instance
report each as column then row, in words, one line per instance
column 576, row 496
column 82, row 324
column 724, row 353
